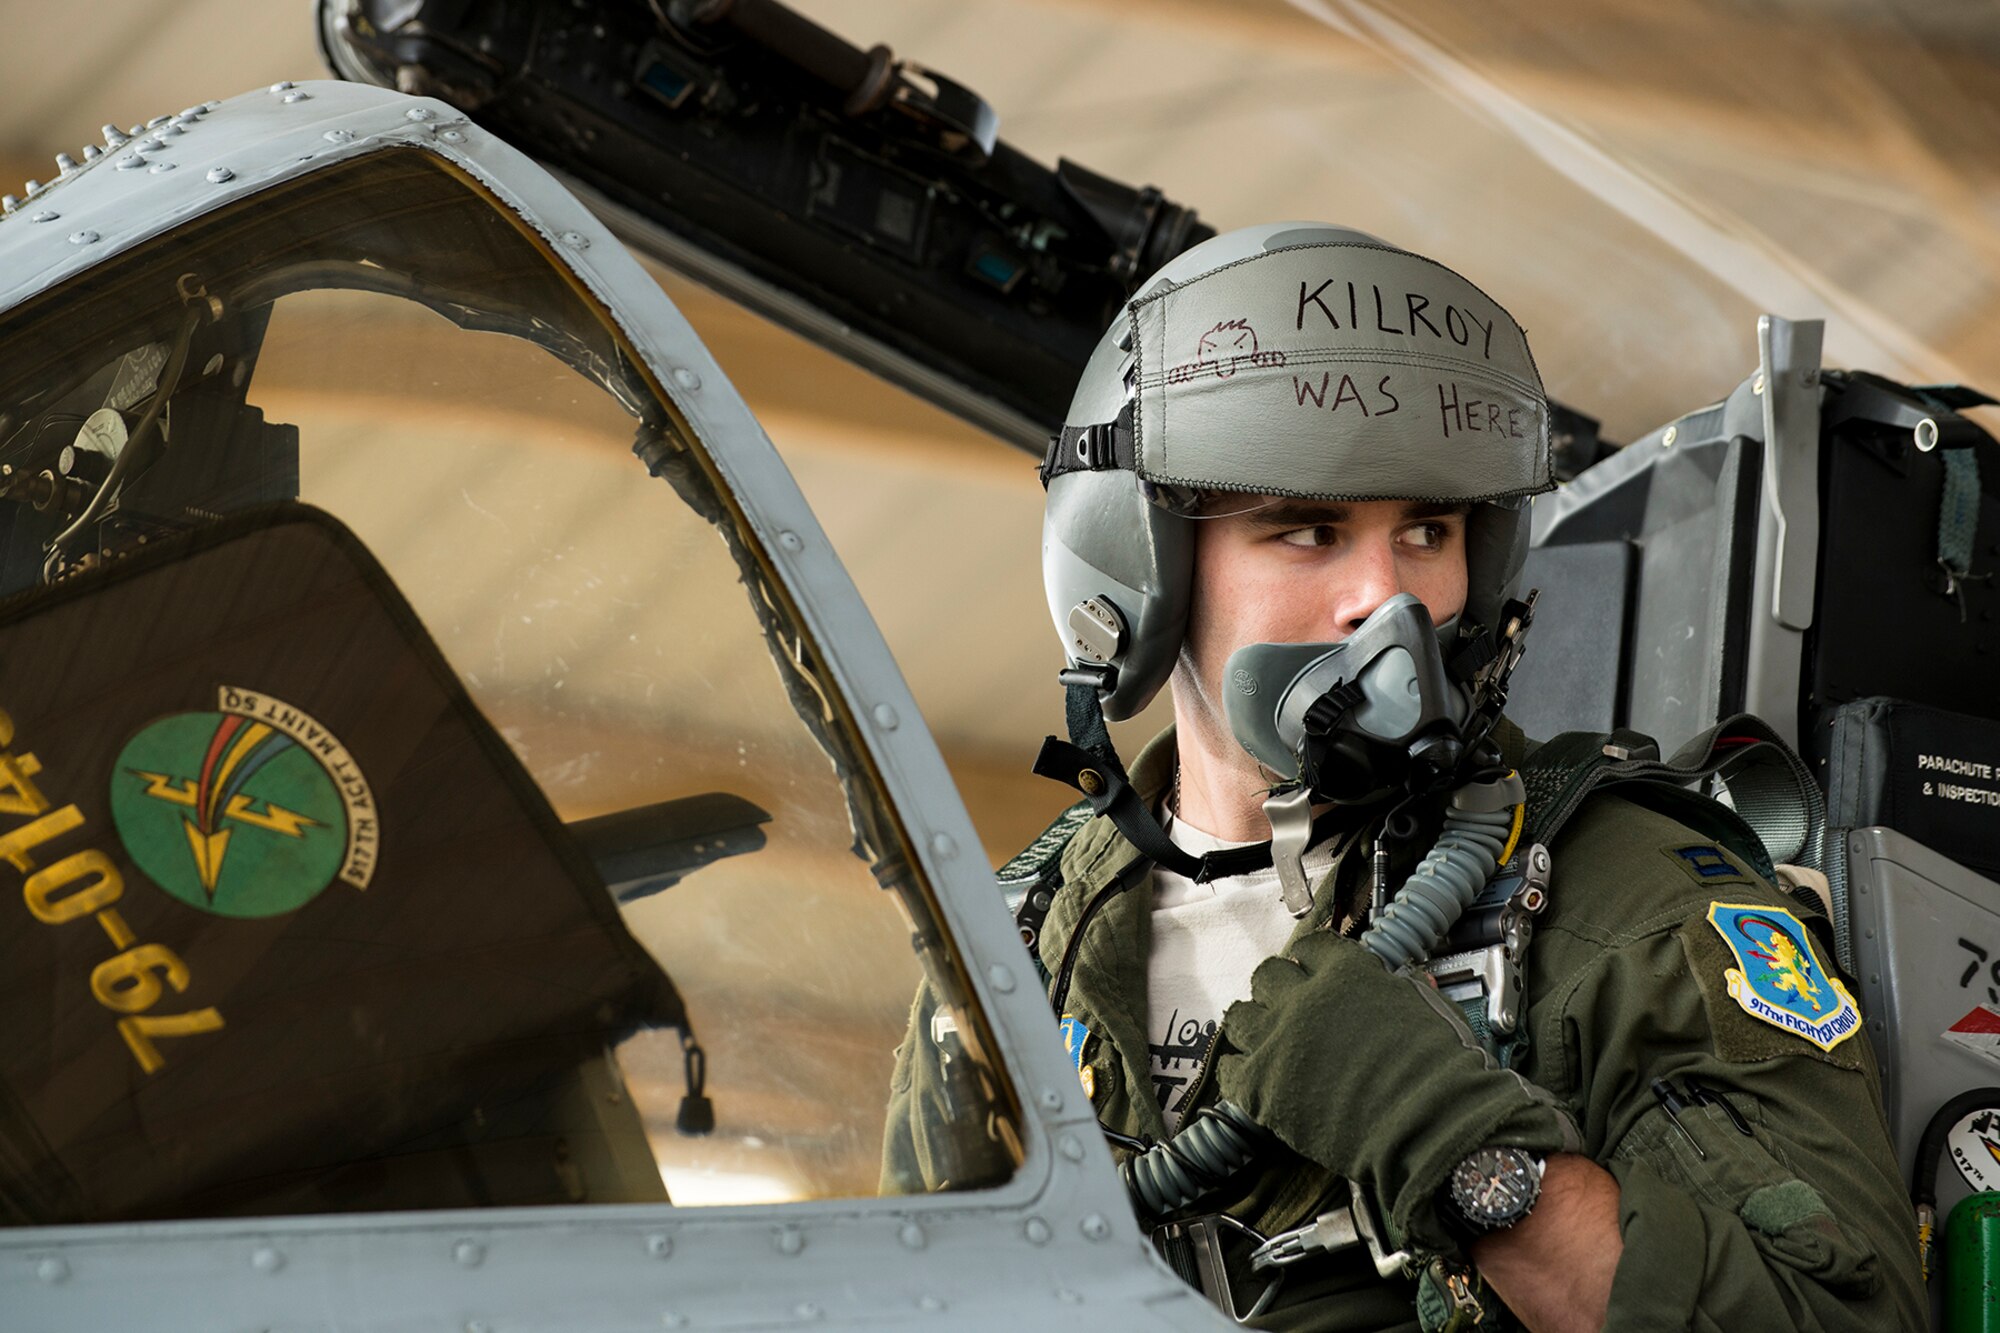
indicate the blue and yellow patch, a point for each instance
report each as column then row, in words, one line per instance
column 1074, row 1034
column 1779, row 979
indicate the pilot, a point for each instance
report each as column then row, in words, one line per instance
column 1296, row 439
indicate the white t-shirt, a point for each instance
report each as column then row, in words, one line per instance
column 1207, row 940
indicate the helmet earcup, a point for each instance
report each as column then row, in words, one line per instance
column 1496, row 547
column 1102, row 538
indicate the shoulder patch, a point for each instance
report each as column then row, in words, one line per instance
column 1074, row 1035
column 1707, row 865
column 1778, row 978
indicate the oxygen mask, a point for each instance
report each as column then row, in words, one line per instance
column 1351, row 721
column 1346, row 723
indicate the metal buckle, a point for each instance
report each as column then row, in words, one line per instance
column 1456, row 1283
column 1332, row 1231
column 1496, row 970
column 1204, row 1236
column 1328, row 1233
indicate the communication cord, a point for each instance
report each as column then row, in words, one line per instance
column 1221, row 1141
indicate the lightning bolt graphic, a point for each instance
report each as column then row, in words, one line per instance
column 276, row 818
column 163, row 788
column 209, row 848
column 242, row 808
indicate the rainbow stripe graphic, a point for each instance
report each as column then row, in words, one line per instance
column 239, row 748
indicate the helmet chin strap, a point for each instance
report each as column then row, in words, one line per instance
column 1089, row 763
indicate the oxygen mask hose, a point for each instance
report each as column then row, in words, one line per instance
column 1481, row 827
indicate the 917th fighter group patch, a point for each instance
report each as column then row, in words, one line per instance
column 1779, row 979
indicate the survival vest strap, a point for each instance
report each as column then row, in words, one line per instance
column 1778, row 815
column 1029, row 881
column 1776, row 811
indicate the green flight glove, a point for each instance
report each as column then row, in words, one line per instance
column 1374, row 1075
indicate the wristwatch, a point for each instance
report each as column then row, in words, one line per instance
column 1494, row 1188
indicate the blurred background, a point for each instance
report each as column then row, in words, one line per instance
column 1635, row 181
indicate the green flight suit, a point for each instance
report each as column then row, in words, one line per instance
column 1802, row 1224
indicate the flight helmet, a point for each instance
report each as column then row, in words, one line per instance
column 1296, row 359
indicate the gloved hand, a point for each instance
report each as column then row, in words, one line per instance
column 1374, row 1075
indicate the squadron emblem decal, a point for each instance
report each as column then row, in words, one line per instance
column 248, row 811
column 1974, row 1146
column 1780, row 980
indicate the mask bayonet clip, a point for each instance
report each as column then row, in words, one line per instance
column 1289, row 809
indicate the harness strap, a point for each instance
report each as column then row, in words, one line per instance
column 1779, row 813
column 1111, row 793
column 1958, row 515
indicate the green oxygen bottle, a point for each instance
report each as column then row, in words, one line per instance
column 1972, row 1232
column 1972, row 1265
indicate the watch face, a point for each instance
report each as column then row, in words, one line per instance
column 1495, row 1187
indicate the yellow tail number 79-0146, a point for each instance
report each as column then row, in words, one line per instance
column 87, row 883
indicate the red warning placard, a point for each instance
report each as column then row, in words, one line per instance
column 1978, row 1032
